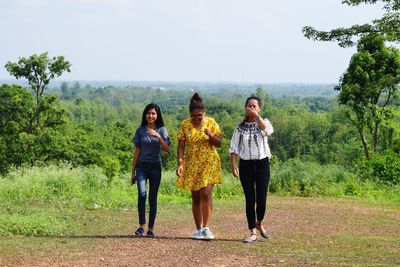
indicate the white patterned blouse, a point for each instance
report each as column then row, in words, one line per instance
column 250, row 142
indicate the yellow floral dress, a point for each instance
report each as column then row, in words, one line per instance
column 201, row 162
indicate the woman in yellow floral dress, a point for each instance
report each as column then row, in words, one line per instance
column 199, row 165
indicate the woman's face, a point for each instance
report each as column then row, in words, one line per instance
column 151, row 116
column 253, row 104
column 197, row 116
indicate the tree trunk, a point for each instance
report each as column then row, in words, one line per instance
column 364, row 143
column 376, row 136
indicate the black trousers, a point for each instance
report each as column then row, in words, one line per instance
column 254, row 177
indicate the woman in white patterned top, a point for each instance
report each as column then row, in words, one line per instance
column 250, row 143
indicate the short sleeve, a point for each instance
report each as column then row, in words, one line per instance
column 136, row 138
column 268, row 129
column 215, row 128
column 181, row 132
column 164, row 135
column 234, row 147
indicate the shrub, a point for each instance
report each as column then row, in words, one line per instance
column 383, row 167
column 31, row 225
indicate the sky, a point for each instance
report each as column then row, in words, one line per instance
column 182, row 40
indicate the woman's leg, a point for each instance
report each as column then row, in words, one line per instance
column 196, row 209
column 154, row 185
column 246, row 173
column 262, row 181
column 141, row 186
column 206, row 204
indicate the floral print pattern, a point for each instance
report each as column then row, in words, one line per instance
column 201, row 162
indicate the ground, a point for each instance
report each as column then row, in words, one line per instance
column 304, row 232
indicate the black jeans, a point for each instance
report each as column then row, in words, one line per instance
column 254, row 177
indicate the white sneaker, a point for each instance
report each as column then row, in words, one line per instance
column 207, row 234
column 198, row 234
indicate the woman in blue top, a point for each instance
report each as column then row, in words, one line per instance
column 149, row 139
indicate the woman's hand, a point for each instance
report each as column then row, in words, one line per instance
column 133, row 179
column 252, row 113
column 153, row 133
column 214, row 140
column 235, row 171
column 208, row 132
column 179, row 170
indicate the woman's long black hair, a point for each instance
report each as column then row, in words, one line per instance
column 159, row 122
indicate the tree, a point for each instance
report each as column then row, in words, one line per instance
column 369, row 84
column 387, row 26
column 40, row 121
column 39, row 70
column 16, row 109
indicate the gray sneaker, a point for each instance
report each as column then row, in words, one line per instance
column 207, row 234
column 198, row 234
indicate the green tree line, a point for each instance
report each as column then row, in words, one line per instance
column 87, row 125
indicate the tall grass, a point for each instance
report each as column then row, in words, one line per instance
column 42, row 200
column 310, row 179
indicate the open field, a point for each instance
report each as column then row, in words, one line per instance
column 304, row 231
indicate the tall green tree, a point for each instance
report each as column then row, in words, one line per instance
column 388, row 25
column 40, row 122
column 38, row 70
column 368, row 86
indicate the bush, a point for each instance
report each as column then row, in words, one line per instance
column 295, row 177
column 384, row 167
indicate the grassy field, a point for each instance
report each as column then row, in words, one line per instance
column 64, row 216
column 304, row 231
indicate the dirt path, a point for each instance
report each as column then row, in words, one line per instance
column 304, row 231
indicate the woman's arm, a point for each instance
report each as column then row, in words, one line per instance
column 234, row 169
column 180, row 152
column 134, row 162
column 214, row 140
column 268, row 129
column 261, row 123
column 164, row 145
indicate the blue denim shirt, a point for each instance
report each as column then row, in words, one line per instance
column 149, row 145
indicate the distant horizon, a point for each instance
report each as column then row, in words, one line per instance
column 173, row 82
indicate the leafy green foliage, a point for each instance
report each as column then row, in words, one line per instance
column 368, row 86
column 32, row 121
column 16, row 107
column 299, row 178
column 388, row 26
column 384, row 167
column 98, row 129
column 39, row 70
